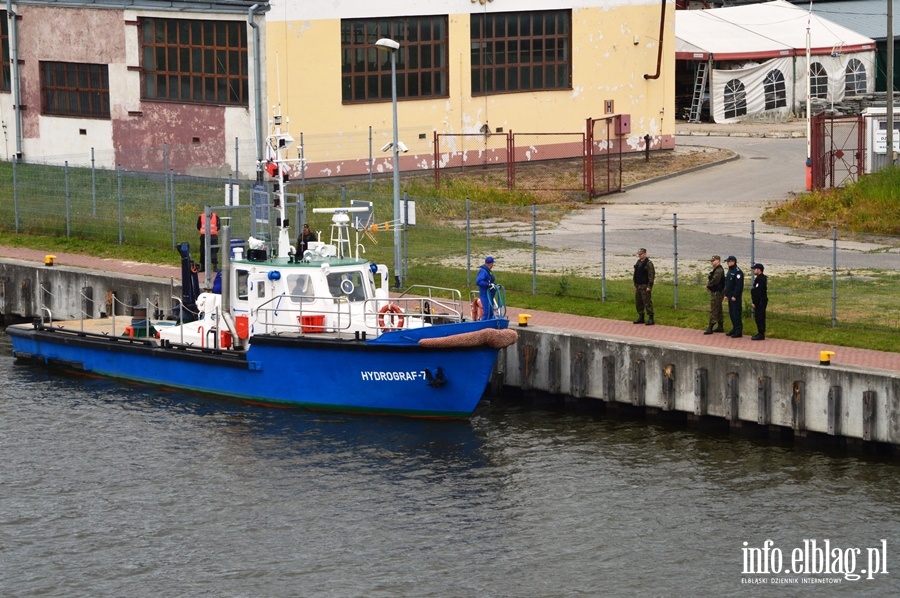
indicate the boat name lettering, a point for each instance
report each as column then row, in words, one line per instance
column 392, row 376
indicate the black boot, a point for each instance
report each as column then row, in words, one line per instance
column 640, row 320
column 650, row 322
column 709, row 329
column 758, row 337
column 719, row 328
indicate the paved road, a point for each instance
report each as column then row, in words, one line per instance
column 714, row 208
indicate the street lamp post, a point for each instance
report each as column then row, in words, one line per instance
column 392, row 47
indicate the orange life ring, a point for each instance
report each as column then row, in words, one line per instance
column 394, row 322
column 477, row 312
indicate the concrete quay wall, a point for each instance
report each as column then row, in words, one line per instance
column 841, row 401
column 72, row 293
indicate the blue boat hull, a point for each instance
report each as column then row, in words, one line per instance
column 390, row 375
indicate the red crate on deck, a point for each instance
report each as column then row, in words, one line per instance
column 310, row 324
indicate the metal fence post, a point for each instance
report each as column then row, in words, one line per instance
column 533, row 249
column 68, row 201
column 834, row 236
column 675, row 239
column 170, row 176
column 237, row 155
column 468, row 243
column 302, row 163
column 15, row 173
column 371, row 160
column 404, row 232
column 166, row 170
column 119, row 199
column 93, row 184
column 602, row 254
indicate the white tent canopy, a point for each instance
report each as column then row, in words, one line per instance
column 758, row 55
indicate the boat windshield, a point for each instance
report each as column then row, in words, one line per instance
column 300, row 288
column 347, row 284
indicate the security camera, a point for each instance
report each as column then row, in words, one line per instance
column 387, row 146
column 402, row 147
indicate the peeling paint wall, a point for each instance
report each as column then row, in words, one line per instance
column 201, row 138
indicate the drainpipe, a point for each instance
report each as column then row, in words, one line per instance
column 14, row 64
column 662, row 29
column 257, row 75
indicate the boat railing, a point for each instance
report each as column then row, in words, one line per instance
column 270, row 315
column 435, row 303
column 418, row 311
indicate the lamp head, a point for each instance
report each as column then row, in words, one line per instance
column 387, row 44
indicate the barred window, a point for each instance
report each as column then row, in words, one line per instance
column 193, row 61
column 521, row 51
column 75, row 89
column 4, row 40
column 422, row 70
column 735, row 99
column 818, row 81
column 775, row 91
column 855, row 75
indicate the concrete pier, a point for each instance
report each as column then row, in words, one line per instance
column 736, row 386
column 776, row 383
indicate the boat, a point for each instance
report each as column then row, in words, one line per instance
column 318, row 330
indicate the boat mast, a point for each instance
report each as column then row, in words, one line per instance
column 278, row 143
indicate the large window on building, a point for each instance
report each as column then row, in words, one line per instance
column 775, row 91
column 195, row 61
column 735, row 103
column 4, row 63
column 421, row 60
column 75, row 89
column 855, row 78
column 521, row 51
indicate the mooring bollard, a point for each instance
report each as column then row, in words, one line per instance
column 825, row 357
column 523, row 319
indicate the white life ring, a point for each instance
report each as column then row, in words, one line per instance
column 390, row 323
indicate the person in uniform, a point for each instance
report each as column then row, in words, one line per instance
column 213, row 238
column 644, row 275
column 734, row 289
column 486, row 287
column 716, row 288
column 759, row 295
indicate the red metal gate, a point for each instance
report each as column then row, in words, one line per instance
column 602, row 157
column 838, row 150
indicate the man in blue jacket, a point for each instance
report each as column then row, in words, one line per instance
column 486, row 287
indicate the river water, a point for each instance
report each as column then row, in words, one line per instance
column 116, row 490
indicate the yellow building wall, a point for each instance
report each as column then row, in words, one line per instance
column 612, row 50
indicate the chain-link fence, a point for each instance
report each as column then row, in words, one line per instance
column 558, row 250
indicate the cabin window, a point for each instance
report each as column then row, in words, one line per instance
column 348, row 285
column 75, row 89
column 260, row 290
column 521, row 51
column 422, row 70
column 242, row 276
column 300, row 288
column 187, row 60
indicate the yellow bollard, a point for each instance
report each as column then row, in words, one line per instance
column 523, row 319
column 48, row 259
column 825, row 357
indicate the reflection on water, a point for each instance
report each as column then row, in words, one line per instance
column 106, row 487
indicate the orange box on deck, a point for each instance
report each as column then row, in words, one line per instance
column 310, row 324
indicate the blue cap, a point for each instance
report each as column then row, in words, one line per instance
column 731, row 258
column 489, row 259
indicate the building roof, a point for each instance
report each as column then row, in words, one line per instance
column 187, row 6
column 868, row 17
column 760, row 31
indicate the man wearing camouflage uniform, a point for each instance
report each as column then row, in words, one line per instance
column 644, row 275
column 716, row 288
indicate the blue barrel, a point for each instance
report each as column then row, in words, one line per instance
column 238, row 244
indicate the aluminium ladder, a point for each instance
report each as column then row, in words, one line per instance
column 699, row 88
